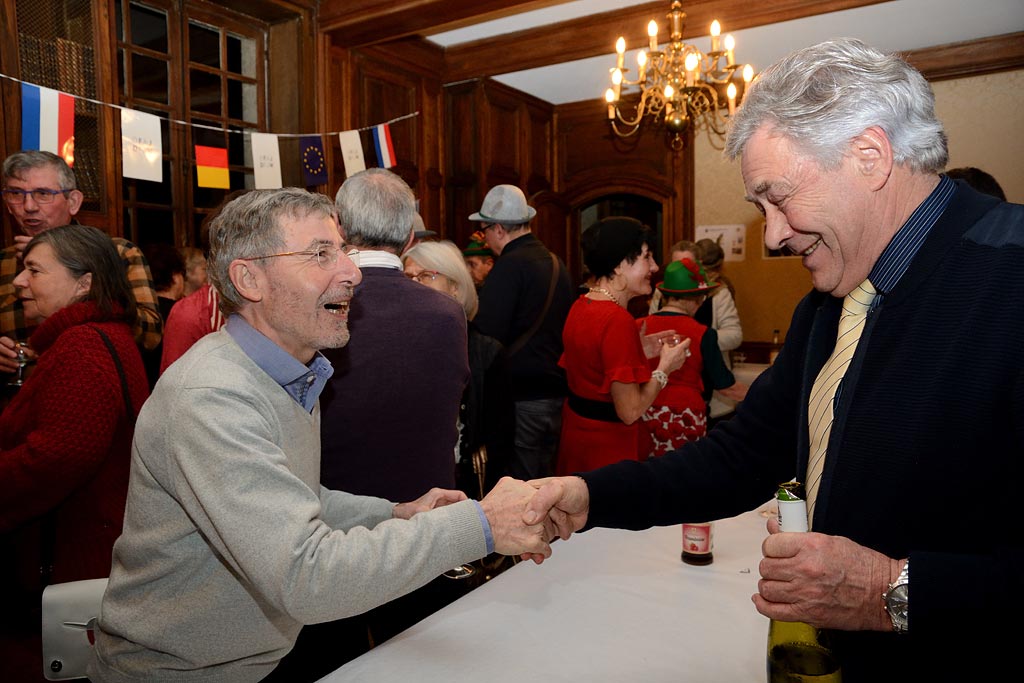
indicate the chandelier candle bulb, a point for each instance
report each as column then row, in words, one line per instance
column 691, row 66
column 620, row 50
column 716, row 31
column 641, row 62
column 731, row 92
column 609, row 97
column 652, row 31
column 730, row 45
column 748, row 73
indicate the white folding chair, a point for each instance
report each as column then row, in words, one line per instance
column 70, row 611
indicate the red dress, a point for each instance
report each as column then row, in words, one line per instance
column 601, row 346
column 679, row 413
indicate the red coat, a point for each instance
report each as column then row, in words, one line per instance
column 65, row 447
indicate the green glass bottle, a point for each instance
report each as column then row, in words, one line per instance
column 798, row 652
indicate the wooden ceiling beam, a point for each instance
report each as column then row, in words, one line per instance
column 969, row 58
column 595, row 35
column 355, row 23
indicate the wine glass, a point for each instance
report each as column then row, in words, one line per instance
column 22, row 349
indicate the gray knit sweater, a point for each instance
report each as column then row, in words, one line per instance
column 230, row 544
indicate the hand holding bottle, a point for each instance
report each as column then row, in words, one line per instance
column 827, row 581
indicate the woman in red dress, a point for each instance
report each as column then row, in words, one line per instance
column 611, row 384
column 679, row 413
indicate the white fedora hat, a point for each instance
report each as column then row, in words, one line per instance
column 505, row 204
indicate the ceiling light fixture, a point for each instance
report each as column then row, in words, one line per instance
column 678, row 84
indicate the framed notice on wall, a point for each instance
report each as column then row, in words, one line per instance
column 732, row 239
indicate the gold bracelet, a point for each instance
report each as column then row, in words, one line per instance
column 661, row 377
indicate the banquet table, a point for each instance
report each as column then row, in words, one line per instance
column 609, row 605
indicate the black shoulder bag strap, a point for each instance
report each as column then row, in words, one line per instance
column 49, row 522
column 120, row 371
column 518, row 344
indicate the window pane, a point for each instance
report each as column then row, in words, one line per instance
column 149, row 28
column 208, row 197
column 155, row 226
column 204, row 89
column 122, row 75
column 237, row 144
column 203, row 45
column 149, row 78
column 149, row 192
column 242, row 56
column 118, row 21
column 242, row 101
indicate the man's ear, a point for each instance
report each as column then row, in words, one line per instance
column 75, row 198
column 873, row 157
column 247, row 279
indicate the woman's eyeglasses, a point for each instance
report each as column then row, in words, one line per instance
column 424, row 276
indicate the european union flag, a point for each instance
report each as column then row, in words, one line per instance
column 314, row 163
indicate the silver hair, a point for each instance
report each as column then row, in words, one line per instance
column 25, row 160
column 376, row 209
column 445, row 258
column 823, row 96
column 250, row 226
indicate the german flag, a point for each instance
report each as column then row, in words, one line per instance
column 212, row 167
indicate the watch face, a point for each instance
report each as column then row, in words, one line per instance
column 896, row 603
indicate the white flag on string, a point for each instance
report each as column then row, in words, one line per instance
column 266, row 161
column 352, row 152
column 141, row 146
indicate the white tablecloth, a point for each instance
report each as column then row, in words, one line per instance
column 608, row 606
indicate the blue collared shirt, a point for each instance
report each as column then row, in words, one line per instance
column 302, row 382
column 897, row 257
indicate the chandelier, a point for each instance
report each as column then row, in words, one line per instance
column 678, row 84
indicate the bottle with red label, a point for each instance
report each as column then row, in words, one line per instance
column 698, row 543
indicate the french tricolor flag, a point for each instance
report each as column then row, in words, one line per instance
column 48, row 121
column 382, row 143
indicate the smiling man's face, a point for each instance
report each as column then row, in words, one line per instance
column 815, row 213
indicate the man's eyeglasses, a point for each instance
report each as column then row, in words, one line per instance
column 40, row 196
column 326, row 256
column 424, row 276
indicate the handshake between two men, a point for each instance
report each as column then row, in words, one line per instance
column 524, row 517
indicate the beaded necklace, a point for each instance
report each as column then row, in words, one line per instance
column 602, row 290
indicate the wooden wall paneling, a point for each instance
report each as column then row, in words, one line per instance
column 383, row 93
column 336, row 89
column 462, row 153
column 10, row 99
column 430, row 124
column 502, row 160
column 411, row 67
column 111, row 219
column 586, row 142
column 552, row 227
column 539, row 131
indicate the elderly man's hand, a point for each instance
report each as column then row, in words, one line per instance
column 564, row 502
column 505, row 507
column 826, row 581
column 434, row 498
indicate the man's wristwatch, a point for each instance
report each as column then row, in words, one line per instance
column 897, row 599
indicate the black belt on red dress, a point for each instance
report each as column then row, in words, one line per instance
column 593, row 410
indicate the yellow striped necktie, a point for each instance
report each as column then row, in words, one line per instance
column 820, row 404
